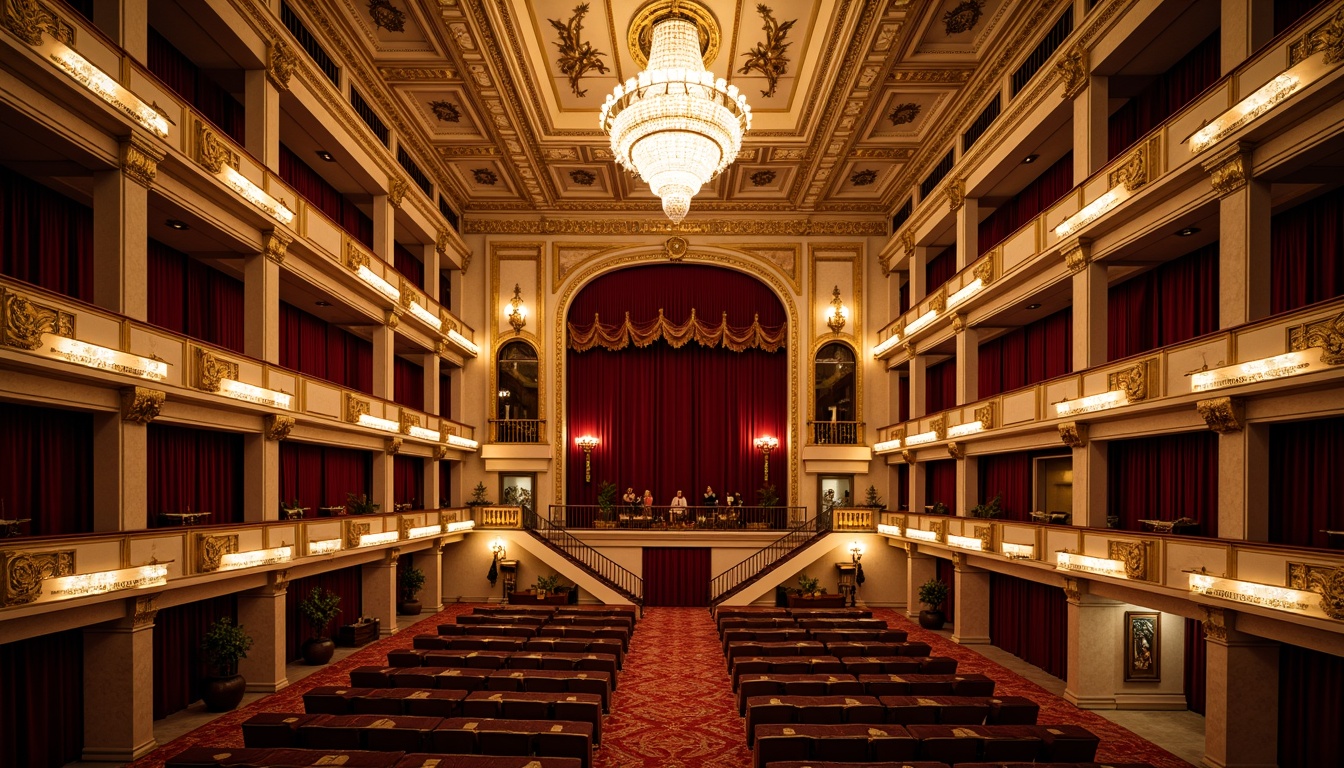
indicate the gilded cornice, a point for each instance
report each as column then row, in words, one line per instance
column 769, row 227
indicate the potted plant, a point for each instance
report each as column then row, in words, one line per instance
column 809, row 586
column 224, row 645
column 932, row 595
column 939, row 508
column 810, row 594
column 478, row 498
column 988, row 510
column 871, row 499
column 767, row 496
column 606, row 502
column 409, row 583
column 546, row 585
column 319, row 607
column 360, row 505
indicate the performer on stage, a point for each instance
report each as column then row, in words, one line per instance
column 630, row 499
column 648, row 503
column 710, row 500
column 677, row 509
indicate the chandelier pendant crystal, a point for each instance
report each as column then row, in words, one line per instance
column 675, row 124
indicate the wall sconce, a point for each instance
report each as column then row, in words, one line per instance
column 855, row 551
column 766, row 445
column 504, row 396
column 499, row 549
column 587, row 443
column 517, row 311
column 836, row 320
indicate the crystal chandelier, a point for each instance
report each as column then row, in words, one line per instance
column 675, row 125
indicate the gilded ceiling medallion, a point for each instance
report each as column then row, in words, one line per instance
column 863, row 178
column 640, row 38
column 768, row 57
column 484, row 176
column 583, row 178
column 904, row 113
column 445, row 111
column 964, row 16
column 761, row 178
column 387, row 16
column 577, row 57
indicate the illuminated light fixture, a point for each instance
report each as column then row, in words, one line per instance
column 882, row 348
column 888, row 530
column 87, row 584
column 499, row 549
column 966, row 292
column 109, row 90
column 235, row 560
column 378, row 284
column 839, row 314
column 177, row 224
column 104, row 359
column 425, row 316
column 324, row 547
column 463, row 342
column 463, row 442
column 1187, row 231
column 374, row 539
column 1072, row 561
column 517, row 311
column 966, row 542
column 256, row 195
column 921, row 438
column 1029, row 159
column 1275, row 598
column 424, row 434
column 1093, row 211
column 254, row 394
column 855, row 551
column 915, row 533
column 1018, row 551
column 887, row 445
column 325, row 155
column 461, row 525
column 1277, row 367
column 1258, row 103
column 765, row 445
column 674, row 124
column 587, row 443
column 373, row 422
column 962, row 430
column 920, row 322
column 423, row 531
column 1092, row 403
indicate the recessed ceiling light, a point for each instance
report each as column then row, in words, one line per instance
column 1188, row 231
column 325, row 155
column 177, row 224
column 1033, row 306
column 324, row 303
column 1029, row 159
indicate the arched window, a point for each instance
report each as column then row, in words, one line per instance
column 517, row 398
column 833, row 396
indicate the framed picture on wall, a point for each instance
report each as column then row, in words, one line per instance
column 1143, row 647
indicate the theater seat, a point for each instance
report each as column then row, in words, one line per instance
column 778, row 742
column 504, row 743
column 563, row 744
column 346, row 758
column 216, row 757
column 840, row 747
column 1067, row 743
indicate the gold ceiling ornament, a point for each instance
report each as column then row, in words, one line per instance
column 905, row 112
column 278, row 426
column 387, row 16
column 140, row 405
column 1328, row 334
column 675, row 125
column 768, row 57
column 639, row 38
column 963, row 17
column 1222, row 414
column 577, row 57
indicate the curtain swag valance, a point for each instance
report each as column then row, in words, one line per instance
column 616, row 337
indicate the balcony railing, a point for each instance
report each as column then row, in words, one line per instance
column 667, row 518
column 852, row 519
column 498, row 517
column 836, row 432
column 517, row 430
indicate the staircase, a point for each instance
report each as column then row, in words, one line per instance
column 759, row 565
column 592, row 562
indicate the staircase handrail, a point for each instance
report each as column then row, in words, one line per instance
column 600, row 566
column 757, row 563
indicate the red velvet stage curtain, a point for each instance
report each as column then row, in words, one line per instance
column 1008, row 475
column 197, row 88
column 1164, row 478
column 947, row 573
column 1166, row 305
column 197, row 470
column 1024, row 356
column 1195, row 665
column 298, row 174
column 45, row 237
column 408, row 265
column 408, row 481
column 309, row 345
column 940, row 483
column 46, row 462
column 903, row 398
column 1287, row 12
column 1307, row 253
column 346, row 583
column 1311, row 711
column 1053, row 183
column 1166, row 95
column 676, row 576
column 192, row 298
column 408, row 384
column 344, row 471
column 42, row 700
column 677, row 419
column 179, row 665
column 940, row 386
column 1031, row 621
column 445, row 471
column 320, row 475
column 1305, row 482
column 940, row 269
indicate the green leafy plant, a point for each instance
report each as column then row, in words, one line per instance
column 547, row 584
column 871, row 499
column 410, row 581
column 808, row 585
column 606, row 499
column 320, row 607
column 224, row 645
column 939, row 508
column 932, row 594
column 990, row 509
column 360, row 505
column 478, row 498
column 767, row 496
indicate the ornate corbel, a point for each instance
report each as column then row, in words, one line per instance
column 1073, row 434
column 392, row 446
column 278, row 426
column 25, row 321
column 441, row 242
column 277, row 582
column 1077, row 254
column 1230, row 168
column 140, row 158
column 396, row 191
column 143, row 611
column 391, row 555
column 909, row 348
column 1134, row 554
column 23, row 573
column 141, row 405
column 958, row 322
column 1073, row 589
column 1073, row 70
column 956, row 450
column 959, row 560
column 210, row 550
column 280, row 63
column 1222, row 414
column 211, row 370
column 440, row 451
column 392, row 318
column 275, row 243
column 907, row 242
column 1327, row 334
column 908, row 456
column 1215, row 623
column 956, row 194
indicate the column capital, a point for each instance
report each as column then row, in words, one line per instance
column 280, row 63
column 1073, row 70
column 1073, row 434
column 141, row 405
column 1230, row 167
column 1077, row 253
column 278, row 426
column 140, row 158
column 143, row 611
column 1074, row 589
column 1221, row 414
column 275, row 244
column 958, row 322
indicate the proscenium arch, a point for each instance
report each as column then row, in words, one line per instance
column 642, row 255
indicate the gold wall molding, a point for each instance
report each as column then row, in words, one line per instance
column 1327, row 36
column 1073, row 434
column 650, row 226
column 141, row 405
column 1135, row 380
column 836, row 253
column 211, row 370
column 353, row 532
column 211, row 549
column 213, row 152
column 1134, row 554
column 280, row 63
column 140, row 158
column 278, row 426
column 1326, row 581
column 1073, row 70
column 1221, row 414
column 24, row 572
column 275, row 244
column 143, row 611
column 25, row 321
column 1328, row 334
column 28, row 19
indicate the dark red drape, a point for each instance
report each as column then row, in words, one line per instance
column 445, row 290
column 324, row 197
column 676, row 576
column 1287, row 12
column 1053, row 183
column 45, row 237
column 945, row 572
column 1307, row 253
column 408, row 265
column 408, row 481
column 940, row 386
column 408, row 383
column 1164, row 478
column 1305, row 482
column 310, row 345
column 1024, row 356
column 1165, row 95
column 940, row 269
column 179, row 665
column 321, row 476
column 445, row 471
column 1031, row 621
column 346, row 583
column 196, row 87
column 901, row 494
column 904, row 300
column 940, row 483
column 1195, row 665
column 445, row 396
column 197, row 470
column 46, row 469
column 1167, row 305
column 1311, row 711
column 1008, row 475
column 42, row 700
column 194, row 299
column 903, row 396
column 677, row 419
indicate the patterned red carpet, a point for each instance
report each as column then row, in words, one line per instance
column 675, row 707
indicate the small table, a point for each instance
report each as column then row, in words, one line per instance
column 401, row 507
column 360, row 633
column 292, row 513
column 184, row 518
column 331, row 511
column 1050, row 517
column 1169, row 526
column 11, row 527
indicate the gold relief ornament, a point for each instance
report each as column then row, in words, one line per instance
column 984, row 269
column 939, row 301
column 24, row 571
column 404, row 525
column 908, row 456
column 985, row 533
column 958, row 322
column 577, row 57
column 1221, row 414
column 144, row 610
column 985, row 415
column 212, row 152
column 675, row 248
column 354, row 408
column 956, row 194
column 1134, row 554
column 1215, row 623
column 387, row 16
column 956, row 450
column 1328, row 334
column 647, row 226
column 958, row 560
column 1073, row 434
column 278, row 426
column 909, row 348
column 140, row 405
column 355, row 257
column 1073, row 589
column 517, row 312
column 280, row 63
column 1326, row 581
column 836, row 319
column 769, row 57
column 393, row 318
column 140, row 159
column 440, row 451
column 396, row 191
column 939, row 528
column 212, row 549
column 408, row 420
column 28, row 19
column 640, row 37
column 1073, row 70
column 1133, row 381
column 393, row 446
column 1077, row 254
column 277, row 582
column 939, row 427
column 1230, row 169
column 1132, row 171
column 963, row 17
column 1328, row 37
column 353, row 532
column 275, row 244
column 26, row 321
column 211, row 370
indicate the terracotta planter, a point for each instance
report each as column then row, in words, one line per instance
column 932, row 619
column 318, row 650
column 222, row 694
column 409, row 608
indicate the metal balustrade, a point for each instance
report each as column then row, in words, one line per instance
column 668, row 518
column 764, row 561
column 836, row 432
column 595, row 563
column 518, row 430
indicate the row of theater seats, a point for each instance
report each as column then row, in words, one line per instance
column 220, row 757
column 523, row 659
column 934, row 764
column 951, row 744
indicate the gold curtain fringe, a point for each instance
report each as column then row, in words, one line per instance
column 617, row 337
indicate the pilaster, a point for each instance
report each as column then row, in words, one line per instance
column 1094, row 647
column 1089, row 305
column 1089, row 481
column 1243, row 237
column 384, row 227
column 120, row 234
column 968, row 362
column 430, row 561
column 261, row 298
column 380, row 590
column 1245, row 25
column 1241, row 710
column 1091, row 118
column 384, row 352
column 919, row 374
column 262, row 611
column 119, row 685
column 919, row 569
column 261, row 478
column 970, row 624
column 433, row 261
column 261, row 131
column 968, row 226
column 919, row 276
column 968, row 483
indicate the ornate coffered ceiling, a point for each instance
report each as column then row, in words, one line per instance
column 845, row 93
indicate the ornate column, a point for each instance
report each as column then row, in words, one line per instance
column 261, row 468
column 262, row 611
column 120, row 235
column 380, row 591
column 1091, row 111
column 119, row 685
column 1243, row 236
column 1095, row 649
column 1241, row 710
column 1089, row 304
column 919, row 569
column 430, row 561
column 120, row 471
column 262, row 88
column 1243, row 470
column 970, row 623
column 919, row 275
column 968, row 223
column 1245, row 25
column 1089, row 475
column 261, row 297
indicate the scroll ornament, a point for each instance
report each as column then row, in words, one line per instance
column 614, row 338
